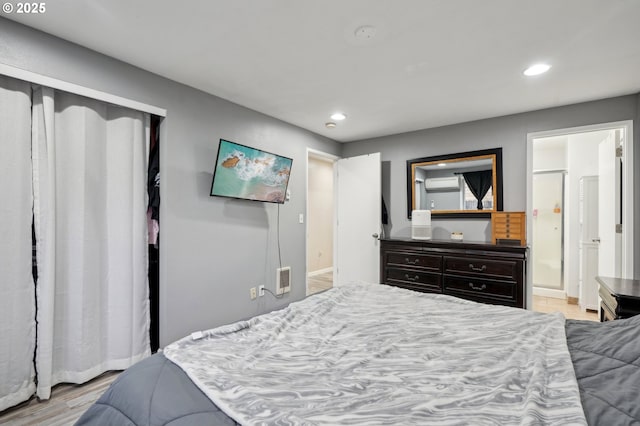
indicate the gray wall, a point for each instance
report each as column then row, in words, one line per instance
column 509, row 133
column 212, row 249
column 636, row 191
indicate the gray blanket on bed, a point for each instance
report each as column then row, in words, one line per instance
column 154, row 392
column 605, row 356
column 375, row 354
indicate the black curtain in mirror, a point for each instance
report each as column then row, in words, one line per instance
column 479, row 184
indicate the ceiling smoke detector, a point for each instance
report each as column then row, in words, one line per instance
column 330, row 125
column 365, row 32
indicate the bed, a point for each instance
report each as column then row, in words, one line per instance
column 375, row 354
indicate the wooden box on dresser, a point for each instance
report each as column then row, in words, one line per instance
column 483, row 272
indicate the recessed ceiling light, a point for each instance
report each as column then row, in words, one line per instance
column 536, row 69
column 442, row 164
column 338, row 116
column 330, row 125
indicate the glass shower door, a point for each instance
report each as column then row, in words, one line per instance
column 548, row 232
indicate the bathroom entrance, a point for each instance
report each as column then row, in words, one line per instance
column 567, row 170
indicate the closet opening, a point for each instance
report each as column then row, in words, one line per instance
column 153, row 218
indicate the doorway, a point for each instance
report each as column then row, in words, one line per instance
column 320, row 220
column 579, row 153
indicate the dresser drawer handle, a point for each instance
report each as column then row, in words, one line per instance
column 410, row 262
column 415, row 278
column 482, row 287
column 481, row 269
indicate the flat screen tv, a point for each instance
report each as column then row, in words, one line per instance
column 248, row 173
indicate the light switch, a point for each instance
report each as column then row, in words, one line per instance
column 301, row 218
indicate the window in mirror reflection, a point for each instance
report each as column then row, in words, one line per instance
column 471, row 203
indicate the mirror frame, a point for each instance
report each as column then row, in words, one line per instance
column 496, row 153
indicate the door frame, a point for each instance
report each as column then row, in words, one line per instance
column 627, row 185
column 325, row 156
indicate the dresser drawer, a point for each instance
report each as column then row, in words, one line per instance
column 414, row 279
column 505, row 227
column 505, row 292
column 481, row 267
column 508, row 220
column 414, row 260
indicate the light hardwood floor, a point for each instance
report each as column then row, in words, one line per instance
column 550, row 304
column 320, row 282
column 65, row 407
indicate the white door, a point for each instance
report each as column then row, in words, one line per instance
column 358, row 219
column 588, row 265
column 609, row 209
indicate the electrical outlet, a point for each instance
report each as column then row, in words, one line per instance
column 261, row 291
column 253, row 293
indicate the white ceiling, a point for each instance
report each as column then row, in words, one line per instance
column 430, row 63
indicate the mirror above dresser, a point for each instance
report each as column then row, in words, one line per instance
column 450, row 185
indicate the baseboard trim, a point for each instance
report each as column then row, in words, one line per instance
column 320, row 271
column 548, row 292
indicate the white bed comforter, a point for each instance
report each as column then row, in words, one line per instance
column 375, row 354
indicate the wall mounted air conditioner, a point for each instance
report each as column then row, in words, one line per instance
column 442, row 184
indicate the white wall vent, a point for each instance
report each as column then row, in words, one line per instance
column 442, row 184
column 283, row 280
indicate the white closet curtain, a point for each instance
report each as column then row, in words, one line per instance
column 89, row 185
column 17, row 310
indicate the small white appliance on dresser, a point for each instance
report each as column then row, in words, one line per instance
column 421, row 224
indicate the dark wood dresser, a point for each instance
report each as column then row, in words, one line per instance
column 483, row 272
column 619, row 298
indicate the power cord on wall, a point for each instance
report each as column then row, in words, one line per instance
column 278, row 238
column 277, row 296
